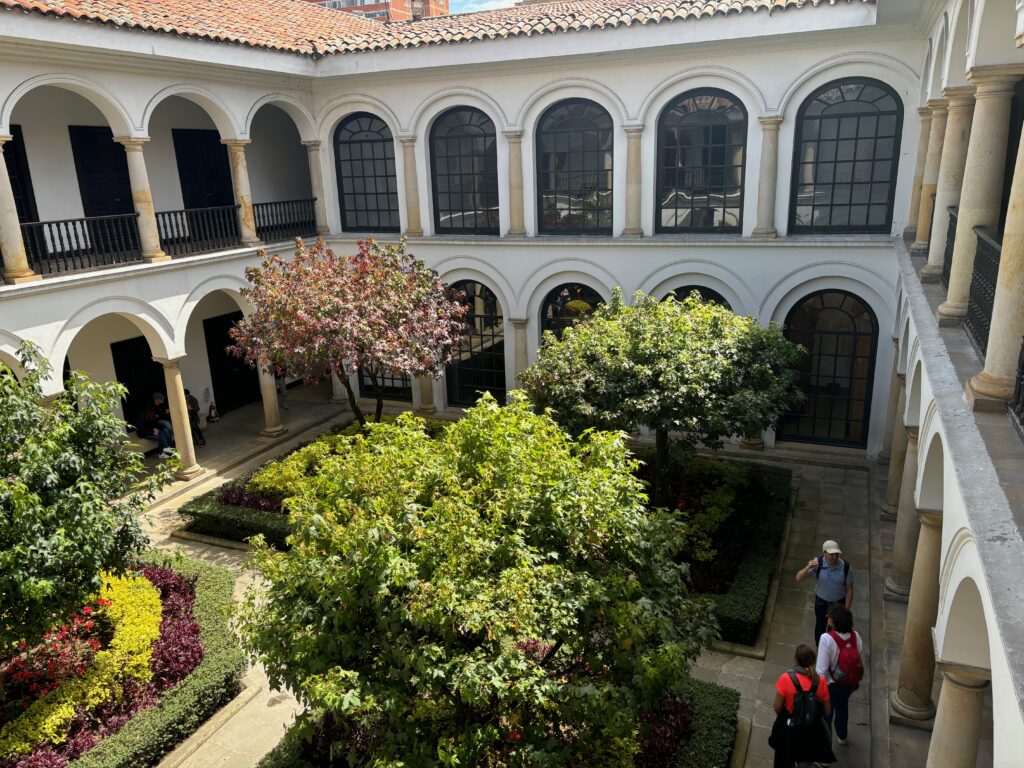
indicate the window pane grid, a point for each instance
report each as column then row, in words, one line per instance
column 566, row 305
column 574, row 169
column 464, row 170
column 367, row 182
column 845, row 165
column 393, row 387
column 702, row 154
column 479, row 363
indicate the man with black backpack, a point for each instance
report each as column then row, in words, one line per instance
column 834, row 584
column 840, row 663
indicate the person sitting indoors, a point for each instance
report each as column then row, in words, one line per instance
column 157, row 425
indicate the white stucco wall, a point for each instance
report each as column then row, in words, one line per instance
column 278, row 163
column 161, row 164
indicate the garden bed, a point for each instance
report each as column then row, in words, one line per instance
column 154, row 660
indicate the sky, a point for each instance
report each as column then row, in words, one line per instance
column 467, row 6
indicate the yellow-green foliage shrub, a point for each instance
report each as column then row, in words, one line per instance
column 134, row 613
column 285, row 478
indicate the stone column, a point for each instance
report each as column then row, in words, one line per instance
column 16, row 268
column 890, row 411
column 897, row 583
column 930, row 178
column 634, row 135
column 913, row 697
column 142, row 197
column 521, row 327
column 983, row 186
column 957, row 728
column 922, row 152
column 414, row 227
column 516, row 219
column 316, row 185
column 898, row 455
column 767, row 182
column 960, row 110
column 426, row 407
column 243, row 193
column 179, row 420
column 271, row 412
column 993, row 387
column 338, row 393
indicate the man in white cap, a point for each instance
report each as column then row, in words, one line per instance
column 835, row 583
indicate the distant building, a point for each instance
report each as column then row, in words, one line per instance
column 389, row 10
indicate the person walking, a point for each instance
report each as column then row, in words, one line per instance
column 841, row 664
column 834, row 583
column 801, row 705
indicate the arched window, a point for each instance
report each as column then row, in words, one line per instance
column 702, row 141
column 846, row 158
column 574, row 169
column 840, row 333
column 364, row 151
column 464, row 172
column 566, row 305
column 479, row 364
column 707, row 295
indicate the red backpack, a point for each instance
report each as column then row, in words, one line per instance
column 849, row 669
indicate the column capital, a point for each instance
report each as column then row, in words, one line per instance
column 407, row 141
column 998, row 79
column 312, row 144
column 924, row 112
column 961, row 97
column 235, row 143
column 4, row 138
column 937, row 106
column 902, row 377
column 132, row 143
column 519, row 322
column 169, row 362
column 633, row 130
column 964, row 676
column 770, row 122
column 911, row 436
column 929, row 518
column 513, row 136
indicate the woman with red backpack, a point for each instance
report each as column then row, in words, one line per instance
column 802, row 703
column 839, row 662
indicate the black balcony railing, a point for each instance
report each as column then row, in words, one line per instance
column 983, row 288
column 947, row 262
column 1017, row 404
column 198, row 230
column 285, row 220
column 72, row 244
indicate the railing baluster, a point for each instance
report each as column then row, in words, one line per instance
column 285, row 220
column 983, row 289
column 72, row 244
column 198, row 230
column 947, row 263
column 1017, row 404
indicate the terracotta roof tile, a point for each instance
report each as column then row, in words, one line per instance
column 300, row 27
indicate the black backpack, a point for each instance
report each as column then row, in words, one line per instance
column 806, row 704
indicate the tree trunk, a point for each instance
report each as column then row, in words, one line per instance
column 353, row 401
column 380, row 397
column 660, row 467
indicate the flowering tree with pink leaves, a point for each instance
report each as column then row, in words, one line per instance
column 381, row 311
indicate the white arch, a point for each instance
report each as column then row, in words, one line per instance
column 722, row 78
column 883, row 66
column 865, row 283
column 964, row 628
column 957, row 41
column 208, row 101
column 229, row 284
column 904, row 348
column 568, row 88
column 930, row 491
column 338, row 109
column 935, row 75
column 432, row 106
column 544, row 287
column 455, row 268
column 547, row 276
column 116, row 115
column 701, row 272
column 301, row 117
column 912, row 414
column 925, row 72
column 9, row 344
column 992, row 35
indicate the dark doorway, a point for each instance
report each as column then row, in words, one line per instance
column 840, row 333
column 140, row 374
column 203, row 168
column 235, row 382
column 394, row 387
column 102, row 168
column 21, row 180
column 479, row 363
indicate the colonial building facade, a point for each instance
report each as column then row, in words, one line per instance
column 774, row 156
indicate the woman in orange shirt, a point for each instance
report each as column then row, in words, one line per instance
column 800, row 733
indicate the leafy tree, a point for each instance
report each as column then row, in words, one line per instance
column 381, row 311
column 685, row 368
column 498, row 596
column 70, row 496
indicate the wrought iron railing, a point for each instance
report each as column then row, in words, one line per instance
column 983, row 288
column 947, row 262
column 198, row 230
column 1017, row 404
column 72, row 244
column 285, row 220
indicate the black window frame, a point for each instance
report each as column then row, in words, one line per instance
column 457, row 391
column 707, row 295
column 894, row 159
column 659, row 227
column 481, row 179
column 558, row 324
column 395, row 388
column 539, row 134
column 387, row 141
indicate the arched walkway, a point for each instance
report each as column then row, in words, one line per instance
column 479, row 363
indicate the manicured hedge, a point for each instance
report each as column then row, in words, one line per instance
column 714, row 724
column 741, row 609
column 227, row 521
column 151, row 734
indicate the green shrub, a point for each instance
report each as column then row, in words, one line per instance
column 227, row 521
column 500, row 596
column 151, row 734
column 714, row 724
